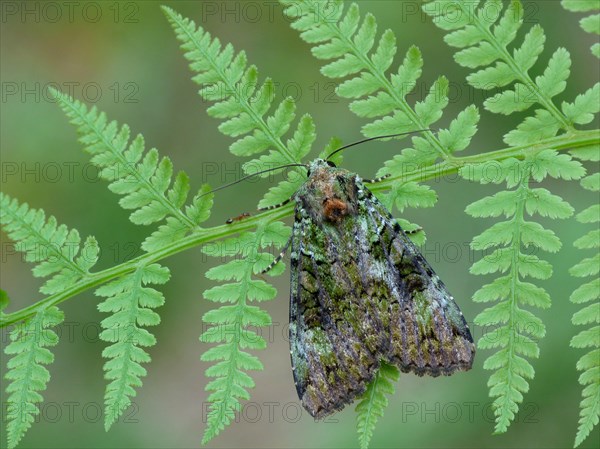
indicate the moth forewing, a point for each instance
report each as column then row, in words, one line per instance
column 362, row 293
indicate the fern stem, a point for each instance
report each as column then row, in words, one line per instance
column 516, row 249
column 206, row 235
column 570, row 141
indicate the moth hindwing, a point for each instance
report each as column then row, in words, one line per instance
column 362, row 293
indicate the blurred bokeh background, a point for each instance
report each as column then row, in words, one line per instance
column 123, row 57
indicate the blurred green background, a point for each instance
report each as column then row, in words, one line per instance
column 124, row 58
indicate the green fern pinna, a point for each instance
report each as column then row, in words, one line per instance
column 551, row 140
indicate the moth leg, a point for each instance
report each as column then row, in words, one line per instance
column 279, row 257
column 275, row 206
column 379, row 179
column 260, row 209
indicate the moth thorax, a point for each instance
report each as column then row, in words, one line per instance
column 334, row 209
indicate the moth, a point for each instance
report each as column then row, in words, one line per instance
column 361, row 293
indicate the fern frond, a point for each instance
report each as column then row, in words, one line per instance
column 246, row 107
column 130, row 304
column 143, row 178
column 229, row 324
column 374, row 401
column 517, row 330
column 26, row 372
column 589, row 292
column 483, row 38
column 348, row 40
column 56, row 250
column 590, row 24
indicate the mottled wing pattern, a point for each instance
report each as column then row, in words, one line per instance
column 429, row 334
column 334, row 332
column 360, row 293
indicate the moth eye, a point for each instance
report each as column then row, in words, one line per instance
column 331, row 164
column 308, row 172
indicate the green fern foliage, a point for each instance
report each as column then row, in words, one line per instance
column 589, row 294
column 246, row 106
column 509, row 247
column 146, row 183
column 590, row 24
column 229, row 324
column 130, row 303
column 56, row 250
column 350, row 42
column 374, row 401
column 143, row 178
column 26, row 372
column 483, row 38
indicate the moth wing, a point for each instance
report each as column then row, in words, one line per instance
column 361, row 292
column 332, row 359
column 428, row 332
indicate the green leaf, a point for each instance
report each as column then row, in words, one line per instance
column 283, row 191
column 411, row 194
column 590, row 24
column 589, row 338
column 130, row 304
column 251, row 117
column 26, row 373
column 533, row 44
column 517, row 330
column 553, row 81
column 374, row 401
column 550, row 163
column 585, row 106
column 354, row 52
column 56, row 250
column 580, row 5
column 499, row 68
column 228, row 324
column 142, row 177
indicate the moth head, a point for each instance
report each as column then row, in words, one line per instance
column 318, row 164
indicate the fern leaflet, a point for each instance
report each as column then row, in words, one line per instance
column 246, row 108
column 146, row 183
column 55, row 249
column 517, row 329
column 483, row 37
column 229, row 323
column 589, row 292
column 142, row 177
column 26, row 372
column 374, row 401
column 337, row 36
column 130, row 305
column 590, row 24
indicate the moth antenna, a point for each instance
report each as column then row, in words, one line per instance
column 251, row 175
column 375, row 138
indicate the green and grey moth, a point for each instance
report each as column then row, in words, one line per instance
column 361, row 293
